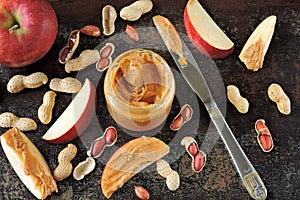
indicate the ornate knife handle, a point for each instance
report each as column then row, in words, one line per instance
column 248, row 174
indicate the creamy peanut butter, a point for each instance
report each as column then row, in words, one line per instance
column 129, row 160
column 139, row 89
column 254, row 55
column 31, row 164
column 139, row 79
column 170, row 36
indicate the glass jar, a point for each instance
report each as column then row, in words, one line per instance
column 139, row 89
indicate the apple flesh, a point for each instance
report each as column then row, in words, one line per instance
column 204, row 33
column 255, row 49
column 27, row 31
column 76, row 118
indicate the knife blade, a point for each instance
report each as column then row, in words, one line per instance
column 194, row 77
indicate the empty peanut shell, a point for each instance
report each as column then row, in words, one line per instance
column 84, row 168
column 109, row 16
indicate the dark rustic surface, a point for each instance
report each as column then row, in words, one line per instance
column 279, row 169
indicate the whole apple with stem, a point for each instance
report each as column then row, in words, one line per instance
column 28, row 29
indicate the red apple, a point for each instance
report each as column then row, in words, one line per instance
column 204, row 33
column 28, row 29
column 76, row 118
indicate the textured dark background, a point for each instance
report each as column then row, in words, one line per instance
column 219, row 180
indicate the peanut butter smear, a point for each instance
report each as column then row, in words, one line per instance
column 139, row 79
column 254, row 55
column 170, row 36
column 129, row 160
column 32, row 166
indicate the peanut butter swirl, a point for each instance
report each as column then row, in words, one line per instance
column 140, row 79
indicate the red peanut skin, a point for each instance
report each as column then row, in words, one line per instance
column 69, row 48
column 264, row 136
column 262, row 128
column 103, row 64
column 98, row 147
column 177, row 123
column 265, row 142
column 64, row 53
column 186, row 114
column 91, row 30
column 193, row 149
column 110, row 136
column 199, row 161
column 106, row 52
column 141, row 192
column 132, row 33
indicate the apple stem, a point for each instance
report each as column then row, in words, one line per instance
column 13, row 28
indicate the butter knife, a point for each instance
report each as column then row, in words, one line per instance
column 194, row 77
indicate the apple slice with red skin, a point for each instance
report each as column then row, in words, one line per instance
column 204, row 33
column 76, row 118
column 28, row 30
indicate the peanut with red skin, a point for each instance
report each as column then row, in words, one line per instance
column 186, row 112
column 107, row 50
column 264, row 137
column 193, row 149
column 91, row 30
column 198, row 156
column 64, row 54
column 19, row 82
column 261, row 127
column 105, row 57
column 183, row 117
column 108, row 138
column 177, row 123
column 67, row 51
column 110, row 135
column 141, row 192
column 199, row 162
column 103, row 64
column 266, row 142
column 132, row 33
column 98, row 147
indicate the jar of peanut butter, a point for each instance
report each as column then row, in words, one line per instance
column 139, row 90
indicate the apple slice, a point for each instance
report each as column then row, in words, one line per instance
column 28, row 163
column 204, row 33
column 255, row 49
column 76, row 118
column 130, row 159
